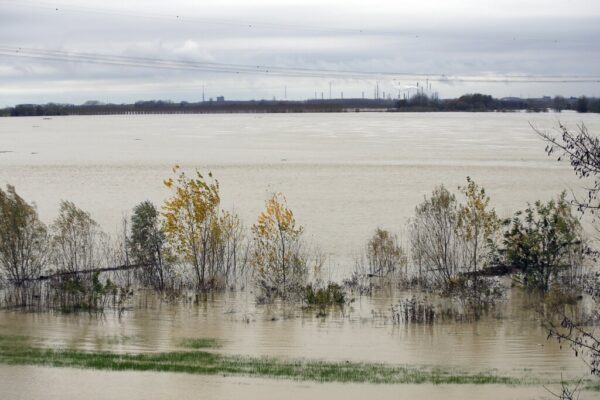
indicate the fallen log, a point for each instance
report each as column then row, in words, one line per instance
column 67, row 274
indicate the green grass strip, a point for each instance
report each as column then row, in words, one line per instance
column 20, row 351
column 200, row 343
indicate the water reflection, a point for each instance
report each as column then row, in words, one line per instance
column 510, row 339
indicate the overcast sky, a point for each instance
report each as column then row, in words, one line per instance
column 467, row 38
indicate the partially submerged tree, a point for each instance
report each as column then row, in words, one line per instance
column 23, row 241
column 79, row 254
column 233, row 247
column 277, row 256
column 543, row 241
column 190, row 219
column 384, row 254
column 434, row 238
column 147, row 244
column 477, row 226
column 76, row 240
column 452, row 244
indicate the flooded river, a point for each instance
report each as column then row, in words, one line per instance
column 343, row 175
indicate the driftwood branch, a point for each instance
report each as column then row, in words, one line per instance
column 67, row 274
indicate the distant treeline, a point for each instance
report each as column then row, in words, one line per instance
column 168, row 107
column 480, row 102
column 419, row 102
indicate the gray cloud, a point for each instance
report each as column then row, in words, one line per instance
column 454, row 38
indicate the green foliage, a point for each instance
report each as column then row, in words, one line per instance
column 475, row 102
column 323, row 297
column 23, row 239
column 146, row 244
column 201, row 343
column 542, row 241
column 77, row 253
column 80, row 294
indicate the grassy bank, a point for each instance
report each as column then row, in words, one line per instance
column 21, row 351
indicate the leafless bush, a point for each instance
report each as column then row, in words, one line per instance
column 413, row 311
column 436, row 247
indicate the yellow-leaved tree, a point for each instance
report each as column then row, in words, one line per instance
column 277, row 257
column 478, row 226
column 191, row 218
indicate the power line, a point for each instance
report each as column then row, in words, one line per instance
column 229, row 68
column 183, row 18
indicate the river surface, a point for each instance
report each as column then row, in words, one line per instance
column 343, row 175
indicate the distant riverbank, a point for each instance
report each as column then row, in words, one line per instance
column 420, row 102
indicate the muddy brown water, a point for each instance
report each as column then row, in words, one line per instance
column 509, row 341
column 344, row 175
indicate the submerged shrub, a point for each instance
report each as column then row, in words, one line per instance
column 383, row 262
column 435, row 244
column 559, row 296
column 278, row 259
column 384, row 254
column 74, row 292
column 147, row 245
column 23, row 244
column 478, row 228
column 451, row 238
column 476, row 295
column 360, row 281
column 458, row 301
column 544, row 241
column 332, row 294
column 76, row 240
column 22, row 238
column 413, row 311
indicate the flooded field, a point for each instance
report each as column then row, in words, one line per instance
column 344, row 175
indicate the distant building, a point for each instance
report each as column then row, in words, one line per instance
column 220, row 99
